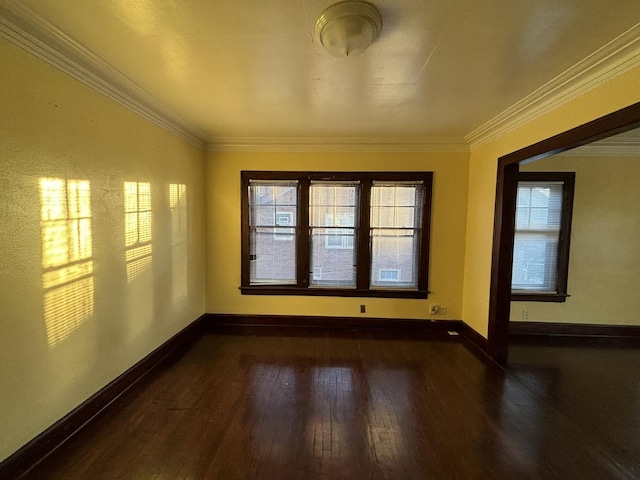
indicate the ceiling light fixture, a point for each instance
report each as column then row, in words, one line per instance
column 348, row 28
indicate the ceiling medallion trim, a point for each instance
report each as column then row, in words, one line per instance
column 338, row 144
column 612, row 60
column 27, row 29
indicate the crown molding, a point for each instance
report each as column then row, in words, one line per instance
column 609, row 148
column 612, row 60
column 27, row 29
column 338, row 144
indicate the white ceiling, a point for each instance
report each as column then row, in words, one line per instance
column 251, row 68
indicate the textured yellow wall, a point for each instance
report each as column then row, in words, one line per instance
column 605, row 243
column 609, row 97
column 60, row 344
column 447, row 237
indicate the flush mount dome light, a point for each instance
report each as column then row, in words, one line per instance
column 348, row 28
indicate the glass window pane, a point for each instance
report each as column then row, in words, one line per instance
column 396, row 212
column 273, row 256
column 333, row 258
column 332, row 220
column 537, row 232
column 269, row 201
column 272, row 217
column 394, row 258
column 534, row 262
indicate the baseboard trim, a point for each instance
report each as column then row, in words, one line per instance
column 473, row 337
column 48, row 441
column 523, row 329
column 228, row 322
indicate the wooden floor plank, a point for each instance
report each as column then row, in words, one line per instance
column 334, row 407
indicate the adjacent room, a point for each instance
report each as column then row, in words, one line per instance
column 319, row 240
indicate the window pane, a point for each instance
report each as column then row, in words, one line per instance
column 534, row 262
column 332, row 218
column 272, row 219
column 333, row 258
column 535, row 254
column 396, row 212
column 394, row 251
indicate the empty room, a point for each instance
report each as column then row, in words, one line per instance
column 313, row 239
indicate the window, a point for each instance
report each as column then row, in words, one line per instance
column 350, row 234
column 388, row 275
column 339, row 237
column 542, row 234
column 273, row 208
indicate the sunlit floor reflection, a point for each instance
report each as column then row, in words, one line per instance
column 273, row 410
column 328, row 432
column 385, row 413
column 319, row 412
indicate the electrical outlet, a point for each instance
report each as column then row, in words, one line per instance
column 363, row 309
column 433, row 309
column 442, row 310
column 525, row 314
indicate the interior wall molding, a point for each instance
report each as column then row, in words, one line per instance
column 606, row 148
column 338, row 144
column 612, row 60
column 24, row 27
column 582, row 330
column 212, row 321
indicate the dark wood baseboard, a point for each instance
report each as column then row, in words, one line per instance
column 473, row 337
column 286, row 324
column 292, row 325
column 524, row 329
column 61, row 431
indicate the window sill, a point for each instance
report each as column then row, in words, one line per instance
column 539, row 297
column 330, row 292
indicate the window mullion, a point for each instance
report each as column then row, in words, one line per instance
column 363, row 271
column 303, row 232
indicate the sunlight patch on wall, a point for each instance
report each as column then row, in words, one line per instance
column 178, row 204
column 67, row 278
column 137, row 228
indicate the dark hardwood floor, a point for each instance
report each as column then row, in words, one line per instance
column 592, row 383
column 337, row 406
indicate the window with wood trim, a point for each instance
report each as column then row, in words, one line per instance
column 542, row 235
column 350, row 234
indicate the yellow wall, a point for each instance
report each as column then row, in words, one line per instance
column 605, row 243
column 447, row 238
column 609, row 97
column 62, row 338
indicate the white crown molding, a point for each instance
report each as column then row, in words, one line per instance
column 611, row 148
column 25, row 28
column 612, row 60
column 337, row 144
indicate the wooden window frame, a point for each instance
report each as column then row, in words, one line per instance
column 564, row 239
column 363, row 242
